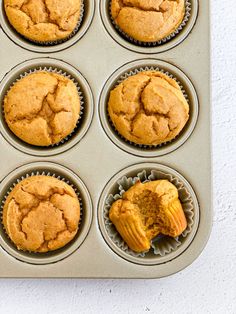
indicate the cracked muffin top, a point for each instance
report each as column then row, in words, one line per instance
column 41, row 214
column 43, row 20
column 148, row 108
column 147, row 210
column 148, row 20
column 42, row 108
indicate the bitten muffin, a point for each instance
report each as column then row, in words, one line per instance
column 42, row 108
column 41, row 214
column 148, row 108
column 43, row 20
column 148, row 20
column 146, row 210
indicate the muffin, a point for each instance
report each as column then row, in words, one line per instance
column 41, row 20
column 148, row 21
column 148, row 108
column 147, row 210
column 42, row 108
column 41, row 214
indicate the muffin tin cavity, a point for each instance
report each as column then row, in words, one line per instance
column 62, row 173
column 86, row 100
column 175, row 38
column 87, row 13
column 131, row 69
column 163, row 248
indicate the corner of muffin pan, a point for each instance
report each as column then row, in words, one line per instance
column 168, row 43
column 132, row 68
column 112, row 188
column 18, row 39
column 65, row 174
column 86, row 94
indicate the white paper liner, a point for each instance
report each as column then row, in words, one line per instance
column 135, row 71
column 32, row 174
column 65, row 74
column 188, row 9
column 60, row 41
column 161, row 245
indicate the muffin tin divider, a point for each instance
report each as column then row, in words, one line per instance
column 95, row 159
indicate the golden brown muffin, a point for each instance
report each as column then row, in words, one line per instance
column 42, row 108
column 146, row 210
column 148, row 108
column 43, row 20
column 41, row 214
column 148, row 20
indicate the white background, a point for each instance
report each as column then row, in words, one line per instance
column 209, row 284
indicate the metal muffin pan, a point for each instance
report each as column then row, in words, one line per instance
column 94, row 160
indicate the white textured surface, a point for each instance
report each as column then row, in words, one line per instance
column 209, row 284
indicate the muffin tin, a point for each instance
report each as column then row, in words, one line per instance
column 94, row 159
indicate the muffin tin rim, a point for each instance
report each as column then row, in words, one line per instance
column 174, row 42
column 88, row 114
column 20, row 41
column 10, row 177
column 135, row 150
column 147, row 261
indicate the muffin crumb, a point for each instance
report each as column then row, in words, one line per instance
column 147, row 210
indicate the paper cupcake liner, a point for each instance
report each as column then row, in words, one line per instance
column 65, row 74
column 161, row 245
column 60, row 41
column 188, row 8
column 122, row 78
column 32, row 174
